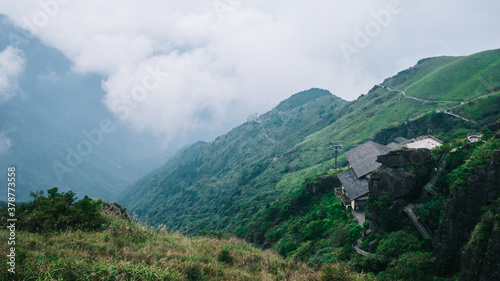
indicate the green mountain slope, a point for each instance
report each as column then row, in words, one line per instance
column 431, row 79
column 208, row 183
column 222, row 185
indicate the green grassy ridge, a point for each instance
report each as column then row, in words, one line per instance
column 451, row 78
column 125, row 250
column 381, row 109
column 222, row 185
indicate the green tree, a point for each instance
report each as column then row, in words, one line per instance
column 411, row 266
column 397, row 243
column 59, row 212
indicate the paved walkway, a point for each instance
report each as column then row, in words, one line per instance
column 357, row 248
column 359, row 216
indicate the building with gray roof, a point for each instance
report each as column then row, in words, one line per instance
column 353, row 189
column 400, row 140
column 363, row 161
column 363, row 158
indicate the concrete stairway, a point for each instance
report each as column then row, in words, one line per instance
column 430, row 188
column 416, row 221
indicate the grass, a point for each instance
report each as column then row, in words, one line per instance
column 125, row 250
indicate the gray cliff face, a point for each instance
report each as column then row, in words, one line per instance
column 481, row 259
column 405, row 158
column 461, row 215
column 491, row 262
column 403, row 174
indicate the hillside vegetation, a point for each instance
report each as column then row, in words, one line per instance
column 93, row 240
column 223, row 185
column 207, row 184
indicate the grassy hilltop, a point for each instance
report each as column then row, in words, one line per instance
column 64, row 239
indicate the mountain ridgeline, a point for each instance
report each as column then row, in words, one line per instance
column 206, row 184
column 223, row 184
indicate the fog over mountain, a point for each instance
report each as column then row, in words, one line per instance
column 220, row 61
column 160, row 76
column 56, row 131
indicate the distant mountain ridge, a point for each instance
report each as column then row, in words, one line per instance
column 222, row 185
column 301, row 99
column 45, row 124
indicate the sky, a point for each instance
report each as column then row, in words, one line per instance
column 11, row 66
column 176, row 68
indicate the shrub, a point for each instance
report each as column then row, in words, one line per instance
column 225, row 257
column 59, row 212
column 370, row 263
column 336, row 272
column 286, row 246
column 397, row 243
column 194, row 273
column 432, row 210
column 411, row 266
column 384, row 201
column 390, row 221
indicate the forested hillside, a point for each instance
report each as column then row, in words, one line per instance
column 222, row 185
column 207, row 184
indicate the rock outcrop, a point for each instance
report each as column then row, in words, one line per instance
column 116, row 210
column 323, row 185
column 481, row 259
column 405, row 158
column 403, row 174
column 462, row 214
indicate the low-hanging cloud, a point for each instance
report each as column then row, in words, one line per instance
column 11, row 66
column 5, row 143
column 219, row 61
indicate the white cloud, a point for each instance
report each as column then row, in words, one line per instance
column 5, row 143
column 221, row 69
column 11, row 65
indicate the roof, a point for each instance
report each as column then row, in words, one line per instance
column 428, row 142
column 394, row 146
column 354, row 187
column 363, row 158
column 400, row 140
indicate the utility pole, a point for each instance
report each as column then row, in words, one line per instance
column 336, row 146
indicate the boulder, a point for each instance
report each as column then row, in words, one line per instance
column 398, row 183
column 494, row 126
column 405, row 158
column 323, row 185
column 117, row 211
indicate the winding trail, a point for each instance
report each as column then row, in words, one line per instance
column 426, row 101
column 266, row 134
column 404, row 94
column 457, row 116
